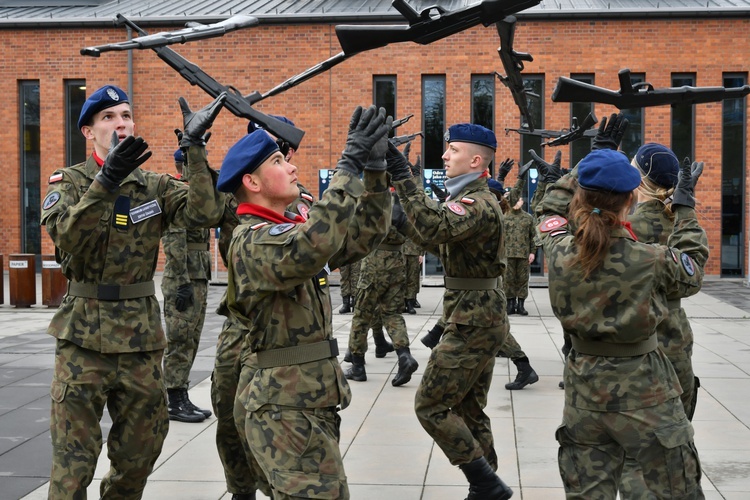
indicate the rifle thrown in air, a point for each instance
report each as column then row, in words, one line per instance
column 513, row 65
column 564, row 136
column 234, row 102
column 641, row 95
column 432, row 24
column 403, row 139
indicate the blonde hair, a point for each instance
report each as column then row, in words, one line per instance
column 651, row 190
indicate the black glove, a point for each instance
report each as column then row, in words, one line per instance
column 406, row 150
column 376, row 161
column 184, row 297
column 610, row 133
column 548, row 172
column 123, row 158
column 440, row 193
column 195, row 124
column 398, row 167
column 398, row 216
column 684, row 193
column 524, row 168
column 504, row 169
column 366, row 128
column 416, row 169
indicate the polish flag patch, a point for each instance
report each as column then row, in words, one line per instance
column 55, row 178
column 553, row 223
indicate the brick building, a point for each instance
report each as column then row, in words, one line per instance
column 44, row 80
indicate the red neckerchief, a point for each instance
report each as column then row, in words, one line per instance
column 269, row 215
column 629, row 228
column 486, row 173
column 98, row 160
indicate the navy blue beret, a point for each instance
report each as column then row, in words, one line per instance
column 252, row 126
column 104, row 98
column 244, row 158
column 470, row 132
column 658, row 163
column 608, row 170
column 179, row 156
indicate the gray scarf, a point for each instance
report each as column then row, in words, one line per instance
column 456, row 184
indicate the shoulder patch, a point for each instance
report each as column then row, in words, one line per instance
column 51, row 199
column 307, row 197
column 302, row 210
column 687, row 264
column 55, row 178
column 674, row 257
column 553, row 223
column 280, row 229
column 456, row 208
column 259, row 225
column 557, row 233
column 466, row 200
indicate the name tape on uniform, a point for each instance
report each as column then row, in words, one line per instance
column 145, row 211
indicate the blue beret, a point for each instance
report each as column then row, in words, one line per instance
column 658, row 163
column 179, row 156
column 607, row 170
column 252, row 126
column 244, row 158
column 104, row 98
column 469, row 132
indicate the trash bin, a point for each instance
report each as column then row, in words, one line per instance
column 54, row 283
column 2, row 288
column 22, row 279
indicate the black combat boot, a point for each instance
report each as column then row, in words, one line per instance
column 526, row 375
column 382, row 346
column 519, row 307
column 416, row 303
column 406, row 366
column 189, row 405
column 178, row 410
column 409, row 306
column 357, row 371
column 512, row 306
column 484, row 484
column 243, row 496
column 346, row 307
column 348, row 357
column 433, row 336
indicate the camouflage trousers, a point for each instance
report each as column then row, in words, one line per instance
column 349, row 279
column 511, row 348
column 298, row 448
column 594, row 444
column 183, row 330
column 413, row 276
column 383, row 299
column 132, row 388
column 452, row 395
column 516, row 278
column 241, row 471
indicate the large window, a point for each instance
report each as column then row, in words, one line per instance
column 683, row 120
column 633, row 138
column 75, row 143
column 733, row 180
column 579, row 111
column 534, row 84
column 29, row 118
column 483, row 103
column 384, row 88
column 433, row 114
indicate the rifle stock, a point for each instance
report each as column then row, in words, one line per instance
column 561, row 137
column 641, row 95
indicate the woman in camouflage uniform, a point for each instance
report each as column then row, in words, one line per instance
column 610, row 292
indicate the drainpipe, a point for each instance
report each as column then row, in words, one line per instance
column 130, row 69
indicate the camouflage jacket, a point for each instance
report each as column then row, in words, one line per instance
column 412, row 249
column 520, row 234
column 278, row 287
column 467, row 235
column 620, row 303
column 113, row 239
column 380, row 263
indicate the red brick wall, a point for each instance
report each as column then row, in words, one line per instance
column 261, row 57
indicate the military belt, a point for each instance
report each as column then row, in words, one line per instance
column 472, row 283
column 390, row 248
column 296, row 355
column 111, row 292
column 674, row 304
column 596, row 348
column 197, row 246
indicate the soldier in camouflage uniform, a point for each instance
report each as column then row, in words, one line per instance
column 652, row 222
column 184, row 286
column 466, row 232
column 291, row 384
column 610, row 292
column 380, row 295
column 349, row 280
column 413, row 257
column 105, row 217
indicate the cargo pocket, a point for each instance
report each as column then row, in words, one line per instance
column 680, row 458
column 58, row 428
column 567, row 461
column 301, row 485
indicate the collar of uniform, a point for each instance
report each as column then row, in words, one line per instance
column 624, row 230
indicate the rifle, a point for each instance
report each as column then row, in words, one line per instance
column 194, row 31
column 432, row 24
column 401, row 121
column 564, row 136
column 643, row 94
column 513, row 65
column 234, row 102
column 403, row 139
